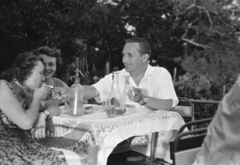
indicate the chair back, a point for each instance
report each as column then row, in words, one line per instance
column 185, row 109
column 196, row 124
column 186, row 145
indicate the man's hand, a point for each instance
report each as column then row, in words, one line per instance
column 135, row 94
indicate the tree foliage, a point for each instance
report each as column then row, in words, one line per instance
column 200, row 37
column 210, row 32
column 29, row 24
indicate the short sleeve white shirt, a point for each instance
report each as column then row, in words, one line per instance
column 156, row 83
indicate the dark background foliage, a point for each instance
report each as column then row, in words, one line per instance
column 200, row 38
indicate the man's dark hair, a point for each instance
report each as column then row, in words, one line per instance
column 143, row 45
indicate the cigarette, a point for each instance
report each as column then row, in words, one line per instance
column 50, row 86
column 132, row 91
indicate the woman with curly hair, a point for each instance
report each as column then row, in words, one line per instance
column 22, row 117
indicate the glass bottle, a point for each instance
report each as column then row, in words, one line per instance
column 76, row 98
column 115, row 104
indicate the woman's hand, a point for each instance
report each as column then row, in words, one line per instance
column 41, row 92
column 57, row 96
column 39, row 129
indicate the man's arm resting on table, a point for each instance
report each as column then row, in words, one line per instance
column 156, row 104
column 89, row 92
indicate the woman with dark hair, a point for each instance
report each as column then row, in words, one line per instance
column 22, row 118
column 52, row 61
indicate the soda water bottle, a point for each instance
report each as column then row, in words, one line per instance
column 76, row 98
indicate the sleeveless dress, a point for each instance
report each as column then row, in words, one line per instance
column 18, row 148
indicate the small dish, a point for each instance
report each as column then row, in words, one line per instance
column 87, row 110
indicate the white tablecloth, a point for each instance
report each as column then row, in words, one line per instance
column 98, row 135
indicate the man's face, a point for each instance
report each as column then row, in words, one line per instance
column 132, row 59
column 36, row 79
column 50, row 65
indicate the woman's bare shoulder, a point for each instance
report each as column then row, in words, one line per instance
column 4, row 86
column 2, row 83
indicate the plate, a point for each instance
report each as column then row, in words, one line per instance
column 94, row 106
column 88, row 108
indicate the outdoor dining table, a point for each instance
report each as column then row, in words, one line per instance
column 98, row 135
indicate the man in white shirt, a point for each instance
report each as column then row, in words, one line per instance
column 152, row 86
